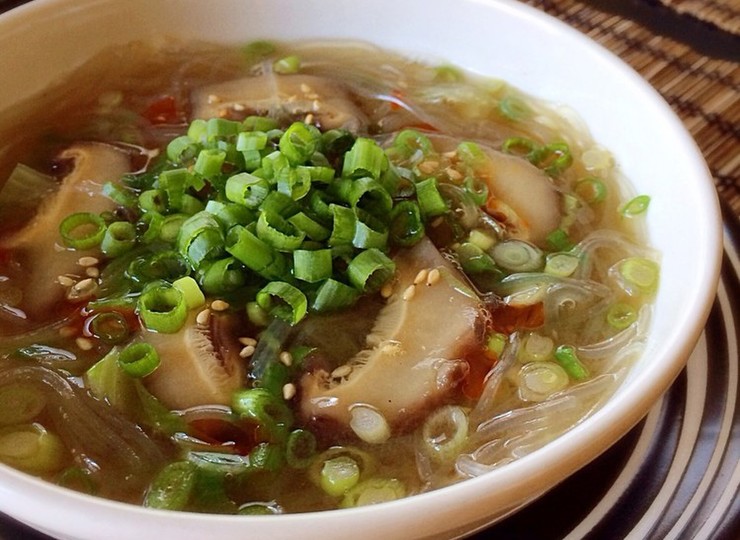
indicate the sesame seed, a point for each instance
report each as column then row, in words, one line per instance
column 248, row 341
column 386, row 290
column 341, row 371
column 433, row 276
column 428, row 167
column 289, row 391
column 203, row 317
column 84, row 343
column 65, row 281
column 286, row 358
column 409, row 293
column 453, row 174
column 239, row 107
column 308, row 119
column 219, row 305
column 421, row 276
column 92, row 271
column 213, row 98
column 305, row 88
column 82, row 289
column 87, row 261
column 247, row 351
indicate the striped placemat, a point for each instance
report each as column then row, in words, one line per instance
column 693, row 64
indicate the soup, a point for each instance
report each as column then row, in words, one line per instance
column 306, row 276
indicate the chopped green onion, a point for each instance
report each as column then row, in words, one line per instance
column 153, row 200
column 370, row 269
column 221, row 276
column 257, row 315
column 638, row 275
column 313, row 229
column 287, row 64
column 539, row 380
column 411, row 142
column 365, row 158
column 343, row 228
column 266, row 409
column 138, row 359
column 312, row 266
column 174, row 182
column 291, row 305
column 370, row 232
column 31, row 448
column 209, row 162
column 151, row 222
column 300, row 448
column 495, row 343
column 636, row 206
column 517, row 256
column 299, row 142
column 339, row 474
column 119, row 238
column 444, row 433
column 370, row 195
column 566, row 356
column 170, row 227
column 407, row 226
column 535, row 348
column 592, row 190
column 247, row 189
column 561, row 264
column 621, row 315
column 429, row 198
column 477, row 189
column 200, row 238
column 520, row 146
column 229, row 214
column 172, row 487
column 21, row 403
column 119, row 194
column 109, row 327
column 162, row 308
column 194, row 297
column 221, row 128
column 559, row 240
column 181, row 150
column 514, row 108
column 475, row 260
column 82, row 230
column 334, row 295
column 554, row 158
column 250, row 250
column 374, row 491
column 278, row 232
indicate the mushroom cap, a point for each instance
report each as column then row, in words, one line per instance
column 414, row 355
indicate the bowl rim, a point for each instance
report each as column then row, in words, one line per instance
column 564, row 449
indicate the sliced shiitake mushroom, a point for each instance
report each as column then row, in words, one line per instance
column 291, row 97
column 93, row 164
column 413, row 359
column 200, row 364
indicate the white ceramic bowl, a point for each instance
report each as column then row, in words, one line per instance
column 47, row 38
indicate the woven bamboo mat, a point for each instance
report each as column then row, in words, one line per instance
column 723, row 14
column 704, row 90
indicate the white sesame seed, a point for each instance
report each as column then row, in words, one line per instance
column 213, row 98
column 286, row 358
column 84, row 343
column 409, row 293
column 453, row 174
column 219, row 305
column 433, row 276
column 386, row 290
column 428, row 167
column 65, row 281
column 204, row 317
column 239, row 107
column 305, row 88
column 82, row 289
column 87, row 261
column 247, row 351
column 248, row 341
column 421, row 276
column 289, row 391
column 308, row 119
column 92, row 271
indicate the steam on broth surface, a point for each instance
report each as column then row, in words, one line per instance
column 298, row 277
